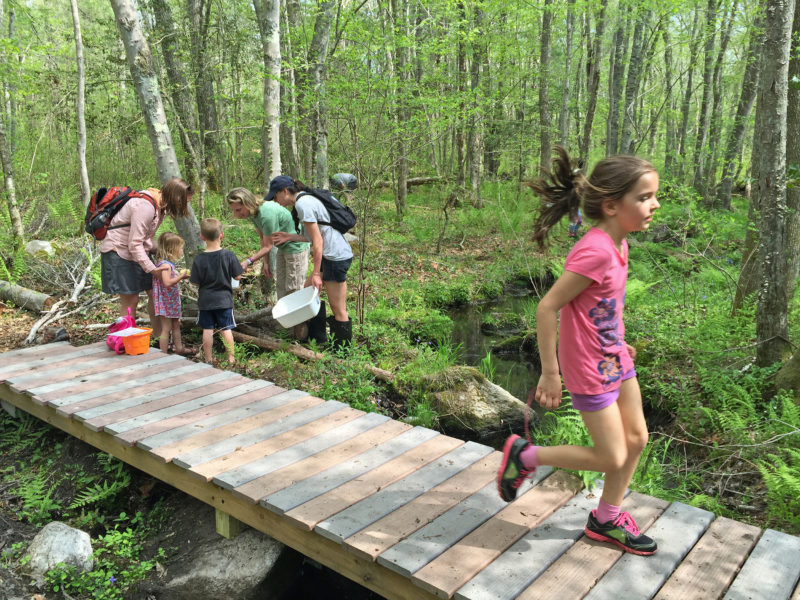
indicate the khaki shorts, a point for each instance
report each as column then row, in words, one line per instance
column 290, row 272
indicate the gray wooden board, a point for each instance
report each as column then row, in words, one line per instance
column 676, row 531
column 47, row 360
column 170, row 390
column 347, row 522
column 314, row 486
column 109, row 374
column 184, row 407
column 33, row 349
column 524, row 561
column 89, row 363
column 248, row 438
column 297, row 452
column 772, row 570
column 421, row 547
column 186, row 431
column 122, row 387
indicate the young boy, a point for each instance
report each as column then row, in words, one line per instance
column 212, row 271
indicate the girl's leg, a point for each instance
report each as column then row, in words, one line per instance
column 163, row 327
column 227, row 340
column 337, row 297
column 175, row 328
column 208, row 341
column 151, row 306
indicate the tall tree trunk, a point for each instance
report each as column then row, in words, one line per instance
column 460, row 122
column 476, row 122
column 317, row 57
column 669, row 117
column 289, row 92
column 632, row 83
column 683, row 131
column 11, row 95
column 616, row 70
column 400, row 38
column 80, row 104
column 793, row 158
column 747, row 96
column 593, row 67
column 701, row 139
column 769, row 153
column 544, row 85
column 140, row 62
column 563, row 119
column 268, row 14
column 17, row 228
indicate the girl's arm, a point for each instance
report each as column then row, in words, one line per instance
column 312, row 229
column 167, row 279
column 266, row 247
column 568, row 286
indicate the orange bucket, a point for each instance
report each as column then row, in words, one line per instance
column 139, row 343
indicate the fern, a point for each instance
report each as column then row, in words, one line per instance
column 97, row 493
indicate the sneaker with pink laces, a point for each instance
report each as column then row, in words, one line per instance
column 621, row 532
column 512, row 472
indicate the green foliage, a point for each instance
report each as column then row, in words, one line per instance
column 564, row 426
column 487, row 368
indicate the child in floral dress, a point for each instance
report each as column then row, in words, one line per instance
column 167, row 295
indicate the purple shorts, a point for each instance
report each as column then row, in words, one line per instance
column 595, row 402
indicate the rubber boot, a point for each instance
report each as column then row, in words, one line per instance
column 317, row 328
column 341, row 332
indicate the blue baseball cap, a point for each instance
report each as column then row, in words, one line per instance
column 277, row 184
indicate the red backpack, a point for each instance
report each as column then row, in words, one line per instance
column 104, row 205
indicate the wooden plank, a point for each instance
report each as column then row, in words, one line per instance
column 324, row 442
column 71, row 404
column 183, row 439
column 22, row 354
column 312, row 487
column 72, row 370
column 188, row 402
column 420, row 548
column 574, row 574
column 248, row 400
column 376, row 578
column 238, row 442
column 642, row 576
column 157, row 400
column 383, row 501
column 63, row 389
column 273, row 481
column 458, row 564
column 45, row 362
column 503, row 579
column 796, row 595
column 710, row 567
column 323, row 507
column 189, row 375
column 386, row 532
column 228, row 526
column 772, row 570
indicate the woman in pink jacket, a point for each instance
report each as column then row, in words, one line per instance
column 126, row 266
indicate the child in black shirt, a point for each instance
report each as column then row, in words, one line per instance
column 212, row 271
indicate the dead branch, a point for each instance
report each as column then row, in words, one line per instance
column 50, row 316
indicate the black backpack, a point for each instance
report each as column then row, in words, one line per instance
column 342, row 218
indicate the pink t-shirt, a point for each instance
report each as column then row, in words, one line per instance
column 591, row 347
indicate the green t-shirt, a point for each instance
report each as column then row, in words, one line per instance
column 272, row 217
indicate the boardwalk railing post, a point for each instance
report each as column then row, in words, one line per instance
column 228, row 526
column 9, row 408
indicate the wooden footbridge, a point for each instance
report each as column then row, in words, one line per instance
column 404, row 511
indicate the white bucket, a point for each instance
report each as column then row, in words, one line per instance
column 297, row 307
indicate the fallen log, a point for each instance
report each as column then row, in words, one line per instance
column 272, row 344
column 25, row 298
column 412, row 181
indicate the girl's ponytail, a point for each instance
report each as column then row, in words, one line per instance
column 558, row 193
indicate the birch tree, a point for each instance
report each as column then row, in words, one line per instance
column 8, row 176
column 544, row 85
column 701, row 139
column 317, row 60
column 632, row 83
column 793, row 158
column 80, row 106
column 563, row 118
column 140, row 62
column 594, row 66
column 268, row 14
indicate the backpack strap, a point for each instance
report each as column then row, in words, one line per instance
column 320, row 201
column 132, row 194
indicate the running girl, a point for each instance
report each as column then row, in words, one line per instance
column 594, row 360
column 167, row 294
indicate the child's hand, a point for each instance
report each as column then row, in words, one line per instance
column 548, row 392
column 185, row 273
column 631, row 351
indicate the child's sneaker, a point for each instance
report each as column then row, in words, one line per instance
column 622, row 532
column 512, row 472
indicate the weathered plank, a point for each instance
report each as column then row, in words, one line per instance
column 206, row 396
column 386, row 532
column 503, row 579
column 72, row 370
column 161, row 362
column 710, row 567
column 248, row 400
column 383, row 501
column 273, row 481
column 642, row 576
column 185, row 438
column 325, row 442
column 312, row 487
column 187, row 380
column 574, row 574
column 772, row 570
column 458, row 564
column 796, row 595
column 254, row 436
column 23, row 354
column 278, row 439
column 36, row 363
column 420, row 548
